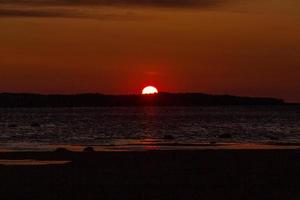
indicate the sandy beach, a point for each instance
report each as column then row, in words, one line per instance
column 198, row 174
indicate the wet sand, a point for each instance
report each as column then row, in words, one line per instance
column 199, row 174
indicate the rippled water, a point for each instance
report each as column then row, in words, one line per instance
column 187, row 125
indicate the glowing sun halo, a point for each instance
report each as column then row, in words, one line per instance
column 149, row 90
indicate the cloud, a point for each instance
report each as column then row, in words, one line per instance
column 42, row 12
column 35, row 13
column 86, row 8
column 159, row 3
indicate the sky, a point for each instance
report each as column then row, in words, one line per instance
column 237, row 47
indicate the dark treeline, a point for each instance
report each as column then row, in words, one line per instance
column 161, row 99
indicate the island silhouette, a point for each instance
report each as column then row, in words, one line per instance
column 160, row 99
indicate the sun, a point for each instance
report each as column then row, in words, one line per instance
column 149, row 90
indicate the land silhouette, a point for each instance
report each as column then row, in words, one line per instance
column 160, row 99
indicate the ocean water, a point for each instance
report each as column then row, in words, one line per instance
column 29, row 128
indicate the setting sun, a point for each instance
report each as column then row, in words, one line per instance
column 149, row 90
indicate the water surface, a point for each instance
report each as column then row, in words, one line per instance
column 31, row 128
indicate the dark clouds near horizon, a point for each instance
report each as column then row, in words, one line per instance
column 42, row 8
column 61, row 13
column 160, row 3
column 35, row 13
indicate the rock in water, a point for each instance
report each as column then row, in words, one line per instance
column 12, row 126
column 62, row 150
column 88, row 149
column 169, row 137
column 36, row 125
column 225, row 136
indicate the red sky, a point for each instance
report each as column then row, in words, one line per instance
column 225, row 47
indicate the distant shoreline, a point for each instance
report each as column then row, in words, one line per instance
column 161, row 99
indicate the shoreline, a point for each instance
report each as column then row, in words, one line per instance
column 146, row 145
column 178, row 174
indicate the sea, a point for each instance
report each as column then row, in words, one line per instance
column 148, row 128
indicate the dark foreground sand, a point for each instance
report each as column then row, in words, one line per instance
column 204, row 174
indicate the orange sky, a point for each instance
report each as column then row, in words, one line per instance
column 227, row 46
